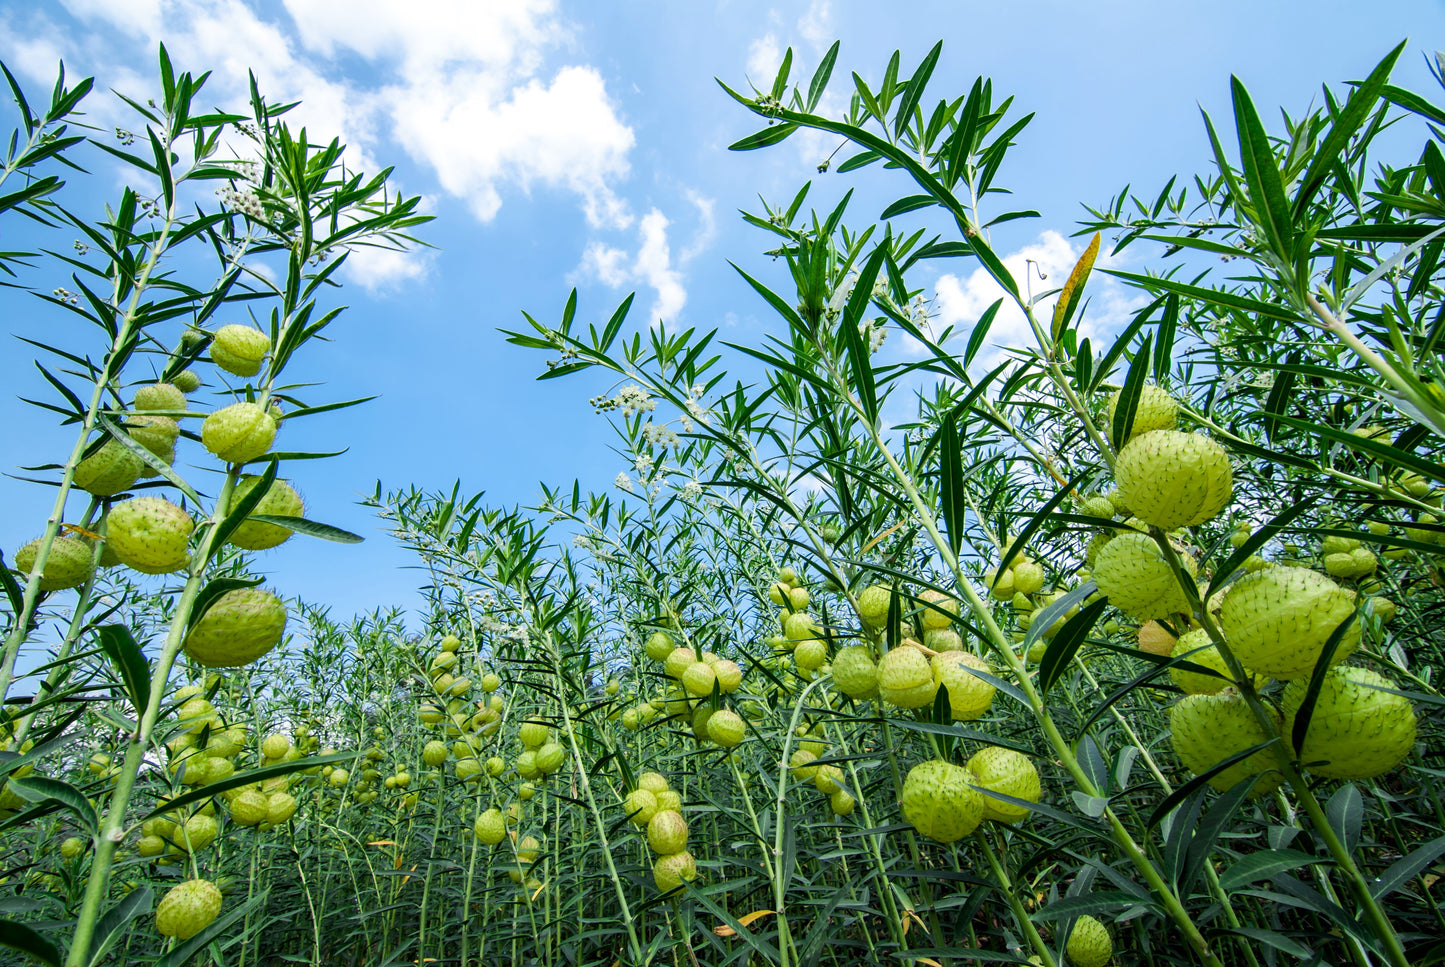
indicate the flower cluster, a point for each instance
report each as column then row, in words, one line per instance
column 630, row 399
column 660, row 435
column 246, row 202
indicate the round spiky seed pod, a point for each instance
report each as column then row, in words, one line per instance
column 855, row 673
column 550, row 757
column 490, row 827
column 873, row 605
column 1156, row 411
column 937, row 610
column 1028, row 578
column 678, row 662
column 249, row 807
column 801, row 626
column 699, row 679
column 811, row 655
column 667, row 832
column 186, row 381
column 187, row 909
column 239, row 627
column 968, row 695
column 905, row 678
column 1206, row 654
column 1277, row 620
column 156, row 433
column 729, row 675
column 1008, row 772
column 1208, row 729
column 149, row 534
column 1173, row 479
column 828, row 779
column 533, row 734
column 240, row 350
column 275, row 745
column 940, row 802
column 160, row 396
column 1357, row 730
column 653, row 782
column 726, row 728
column 801, row 765
column 109, row 470
column 1132, row 572
column 670, row 872
column 841, row 803
column 641, row 806
column 198, row 832
column 1089, row 943
column 435, row 752
column 238, row 433
column 659, row 646
column 70, row 563
column 280, row 500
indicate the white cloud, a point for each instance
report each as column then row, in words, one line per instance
column 467, row 90
column 764, row 59
column 707, row 226
column 652, row 265
column 816, row 25
column 382, row 270
column 605, row 263
column 1036, row 268
column 563, row 134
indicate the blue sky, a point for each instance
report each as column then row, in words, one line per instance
column 565, row 144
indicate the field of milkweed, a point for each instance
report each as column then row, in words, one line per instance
column 1120, row 649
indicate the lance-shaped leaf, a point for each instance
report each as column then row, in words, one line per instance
column 1073, row 292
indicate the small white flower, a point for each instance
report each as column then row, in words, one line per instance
column 623, row 482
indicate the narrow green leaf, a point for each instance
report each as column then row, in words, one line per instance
column 1405, row 869
column 1263, row 866
column 1061, row 650
column 821, row 76
column 1218, row 297
column 980, row 333
column 213, row 590
column 914, row 93
column 1346, row 813
column 241, row 509
column 19, row 936
column 1087, row 904
column 113, row 924
column 1193, row 785
column 183, row 953
column 770, row 135
column 952, row 486
column 130, row 661
column 310, row 528
column 1128, row 402
column 1261, row 173
column 907, row 204
column 39, row 789
column 1361, row 102
column 1164, row 343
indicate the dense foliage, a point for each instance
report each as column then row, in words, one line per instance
column 1122, row 651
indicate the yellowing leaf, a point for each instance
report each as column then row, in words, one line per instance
column 382, row 842
column 747, row 920
column 1074, row 287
